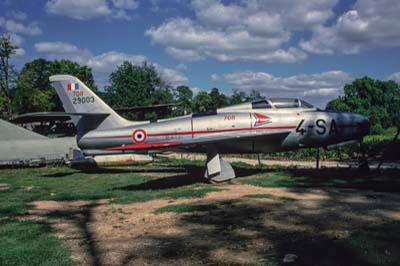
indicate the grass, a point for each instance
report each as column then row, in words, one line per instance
column 385, row 181
column 269, row 196
column 31, row 243
column 275, row 179
column 376, row 245
column 182, row 208
column 60, row 183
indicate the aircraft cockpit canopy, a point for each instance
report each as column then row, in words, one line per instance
column 269, row 104
column 281, row 103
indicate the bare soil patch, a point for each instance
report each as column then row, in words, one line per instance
column 237, row 229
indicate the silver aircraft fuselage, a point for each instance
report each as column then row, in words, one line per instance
column 267, row 125
column 231, row 130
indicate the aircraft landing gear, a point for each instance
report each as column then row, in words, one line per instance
column 217, row 170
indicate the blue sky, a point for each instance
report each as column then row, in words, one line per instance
column 283, row 48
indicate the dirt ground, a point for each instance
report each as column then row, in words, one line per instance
column 230, row 228
column 373, row 164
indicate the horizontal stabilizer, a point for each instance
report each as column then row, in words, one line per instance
column 10, row 131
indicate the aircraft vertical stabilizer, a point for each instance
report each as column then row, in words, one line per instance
column 87, row 110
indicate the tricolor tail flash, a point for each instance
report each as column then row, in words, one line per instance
column 73, row 86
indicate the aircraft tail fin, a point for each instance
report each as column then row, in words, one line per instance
column 87, row 110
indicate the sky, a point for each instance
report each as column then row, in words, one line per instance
column 306, row 49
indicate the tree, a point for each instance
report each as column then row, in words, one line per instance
column 254, row 95
column 34, row 93
column 238, row 97
column 137, row 85
column 379, row 100
column 184, row 98
column 29, row 97
column 218, row 99
column 202, row 102
column 7, row 49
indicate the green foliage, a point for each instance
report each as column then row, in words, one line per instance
column 134, row 85
column 218, row 99
column 31, row 243
column 3, row 101
column 7, row 73
column 184, row 98
column 29, row 98
column 210, row 101
column 202, row 102
column 238, row 97
column 34, row 92
column 379, row 100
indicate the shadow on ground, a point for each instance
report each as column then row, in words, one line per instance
column 352, row 224
column 253, row 232
column 190, row 175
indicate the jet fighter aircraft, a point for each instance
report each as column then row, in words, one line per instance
column 269, row 125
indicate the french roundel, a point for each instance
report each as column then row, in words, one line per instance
column 139, row 136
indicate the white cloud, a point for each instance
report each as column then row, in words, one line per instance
column 15, row 29
column 18, row 41
column 256, row 30
column 103, row 64
column 187, row 41
column 215, row 77
column 126, row 4
column 215, row 13
column 181, row 67
column 184, row 54
column 370, row 24
column 89, row 9
column 317, row 88
column 195, row 90
column 394, row 76
column 13, row 26
column 322, row 92
column 173, row 76
column 62, row 50
column 162, row 6
column 18, row 15
column 78, row 9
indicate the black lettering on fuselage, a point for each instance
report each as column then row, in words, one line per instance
column 333, row 128
column 321, row 126
column 299, row 129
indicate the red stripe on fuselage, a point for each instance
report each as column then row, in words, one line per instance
column 218, row 131
column 199, row 132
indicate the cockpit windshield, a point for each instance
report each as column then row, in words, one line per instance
column 285, row 103
column 305, row 104
column 261, row 104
